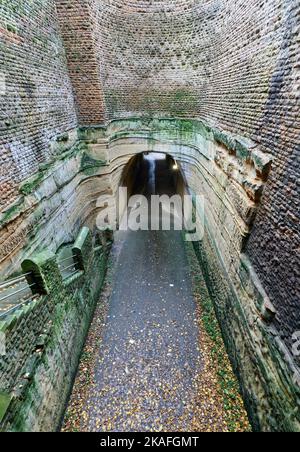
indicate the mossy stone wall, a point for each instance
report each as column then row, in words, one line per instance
column 42, row 343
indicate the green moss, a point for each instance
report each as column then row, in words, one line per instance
column 72, row 152
column 152, row 128
column 12, row 28
column 29, row 186
column 91, row 134
column 63, row 138
column 242, row 150
column 224, row 139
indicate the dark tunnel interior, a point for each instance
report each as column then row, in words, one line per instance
column 152, row 173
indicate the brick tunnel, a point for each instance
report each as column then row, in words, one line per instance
column 149, row 220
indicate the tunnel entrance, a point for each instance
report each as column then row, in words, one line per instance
column 155, row 188
column 153, row 173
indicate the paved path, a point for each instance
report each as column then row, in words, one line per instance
column 149, row 356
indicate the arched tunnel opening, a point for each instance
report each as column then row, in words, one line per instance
column 153, row 173
column 156, row 181
column 149, row 370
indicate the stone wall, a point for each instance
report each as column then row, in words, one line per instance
column 212, row 60
column 41, row 342
column 275, row 242
column 36, row 100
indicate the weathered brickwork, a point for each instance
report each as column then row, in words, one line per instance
column 211, row 59
column 36, row 100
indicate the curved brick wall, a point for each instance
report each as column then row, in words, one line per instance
column 275, row 242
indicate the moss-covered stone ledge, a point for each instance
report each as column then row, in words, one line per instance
column 81, row 249
column 40, row 185
column 5, row 400
column 182, row 131
column 43, row 340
